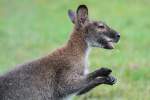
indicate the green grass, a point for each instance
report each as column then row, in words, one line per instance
column 32, row 28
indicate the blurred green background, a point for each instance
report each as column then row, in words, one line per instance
column 33, row 28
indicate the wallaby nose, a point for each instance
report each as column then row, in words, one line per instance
column 117, row 37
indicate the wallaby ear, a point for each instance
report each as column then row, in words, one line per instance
column 71, row 15
column 82, row 14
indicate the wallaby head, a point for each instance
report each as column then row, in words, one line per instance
column 96, row 33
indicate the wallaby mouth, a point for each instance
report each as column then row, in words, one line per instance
column 107, row 43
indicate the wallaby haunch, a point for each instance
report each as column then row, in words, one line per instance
column 64, row 71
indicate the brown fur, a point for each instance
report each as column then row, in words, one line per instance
column 58, row 74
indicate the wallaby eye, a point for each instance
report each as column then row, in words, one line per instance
column 101, row 26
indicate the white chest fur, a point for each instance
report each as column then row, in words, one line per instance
column 86, row 63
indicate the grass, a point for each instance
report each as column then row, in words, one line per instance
column 32, row 28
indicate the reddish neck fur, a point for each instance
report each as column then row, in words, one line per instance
column 77, row 43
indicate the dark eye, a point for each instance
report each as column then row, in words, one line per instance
column 101, row 26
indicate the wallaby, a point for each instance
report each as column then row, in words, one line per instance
column 64, row 71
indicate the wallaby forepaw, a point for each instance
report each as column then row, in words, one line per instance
column 105, row 71
column 110, row 80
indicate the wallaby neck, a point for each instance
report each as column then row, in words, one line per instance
column 77, row 44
